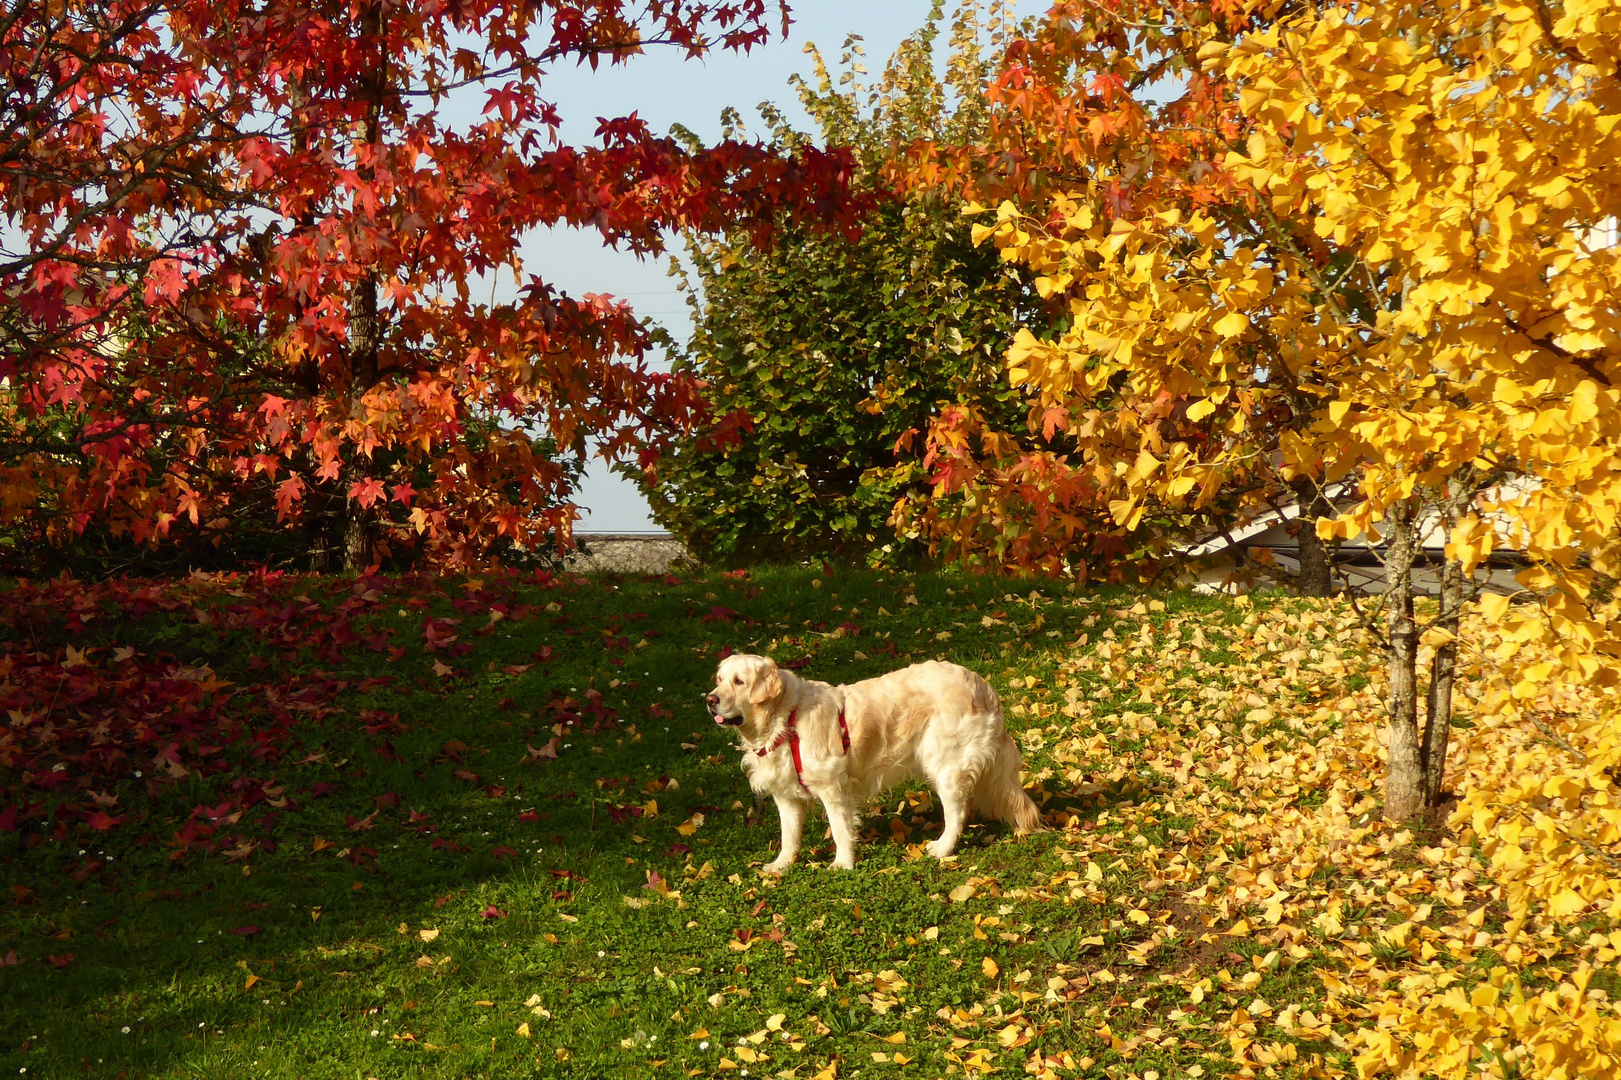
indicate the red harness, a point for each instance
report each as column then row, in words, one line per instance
column 790, row 735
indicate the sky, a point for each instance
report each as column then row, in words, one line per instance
column 664, row 90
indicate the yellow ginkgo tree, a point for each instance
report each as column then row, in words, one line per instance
column 1408, row 270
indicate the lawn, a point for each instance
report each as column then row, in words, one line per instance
column 291, row 827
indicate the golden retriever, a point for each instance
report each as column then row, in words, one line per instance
column 805, row 741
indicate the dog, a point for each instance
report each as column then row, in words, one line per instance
column 805, row 741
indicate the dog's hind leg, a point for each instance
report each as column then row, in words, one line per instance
column 792, row 813
column 953, row 786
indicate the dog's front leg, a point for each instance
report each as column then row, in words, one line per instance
column 792, row 813
column 841, row 820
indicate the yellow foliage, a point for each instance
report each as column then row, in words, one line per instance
column 1412, row 286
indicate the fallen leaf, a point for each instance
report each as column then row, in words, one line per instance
column 427, row 935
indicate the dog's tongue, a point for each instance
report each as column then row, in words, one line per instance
column 719, row 719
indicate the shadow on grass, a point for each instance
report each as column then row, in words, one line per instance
column 478, row 870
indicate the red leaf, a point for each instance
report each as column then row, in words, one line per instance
column 101, row 821
column 245, row 931
column 492, row 912
column 60, row 961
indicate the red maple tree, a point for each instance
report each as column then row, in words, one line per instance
column 236, row 285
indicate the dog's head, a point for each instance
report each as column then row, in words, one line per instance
column 746, row 687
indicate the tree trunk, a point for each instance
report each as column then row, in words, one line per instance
column 1438, row 705
column 364, row 327
column 1404, row 781
column 1316, row 574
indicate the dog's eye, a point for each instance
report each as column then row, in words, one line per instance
column 737, row 680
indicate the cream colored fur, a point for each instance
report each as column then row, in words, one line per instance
column 935, row 720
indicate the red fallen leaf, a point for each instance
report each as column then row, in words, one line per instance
column 529, row 817
column 101, row 821
column 447, row 845
column 736, row 575
column 755, row 914
column 745, row 934
column 677, row 849
column 245, row 931
column 720, row 614
column 362, row 824
column 60, row 961
column 492, row 912
column 516, row 669
column 387, row 798
column 543, row 753
column 91, row 867
column 542, row 654
column 322, row 790
column 504, row 852
column 9, row 960
column 466, row 774
column 495, row 791
column 506, row 703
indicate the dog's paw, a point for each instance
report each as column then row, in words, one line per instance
column 776, row 867
column 938, row 849
column 846, row 862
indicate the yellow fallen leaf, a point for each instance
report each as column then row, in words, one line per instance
column 961, row 893
column 523, row 1029
column 831, row 1071
column 701, row 1033
column 988, row 966
column 902, row 1059
column 251, row 980
column 898, row 1038
column 427, row 935
column 774, row 1021
column 691, row 825
column 482, row 1002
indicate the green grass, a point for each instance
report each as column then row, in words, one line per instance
column 535, row 876
column 158, row 984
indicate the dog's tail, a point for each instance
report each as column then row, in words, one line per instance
column 999, row 795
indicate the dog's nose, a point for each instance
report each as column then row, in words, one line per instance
column 713, row 700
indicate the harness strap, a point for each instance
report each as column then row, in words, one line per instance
column 790, row 735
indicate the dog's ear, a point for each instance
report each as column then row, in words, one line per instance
column 767, row 684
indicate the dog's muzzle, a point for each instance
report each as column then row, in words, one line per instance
column 713, row 700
